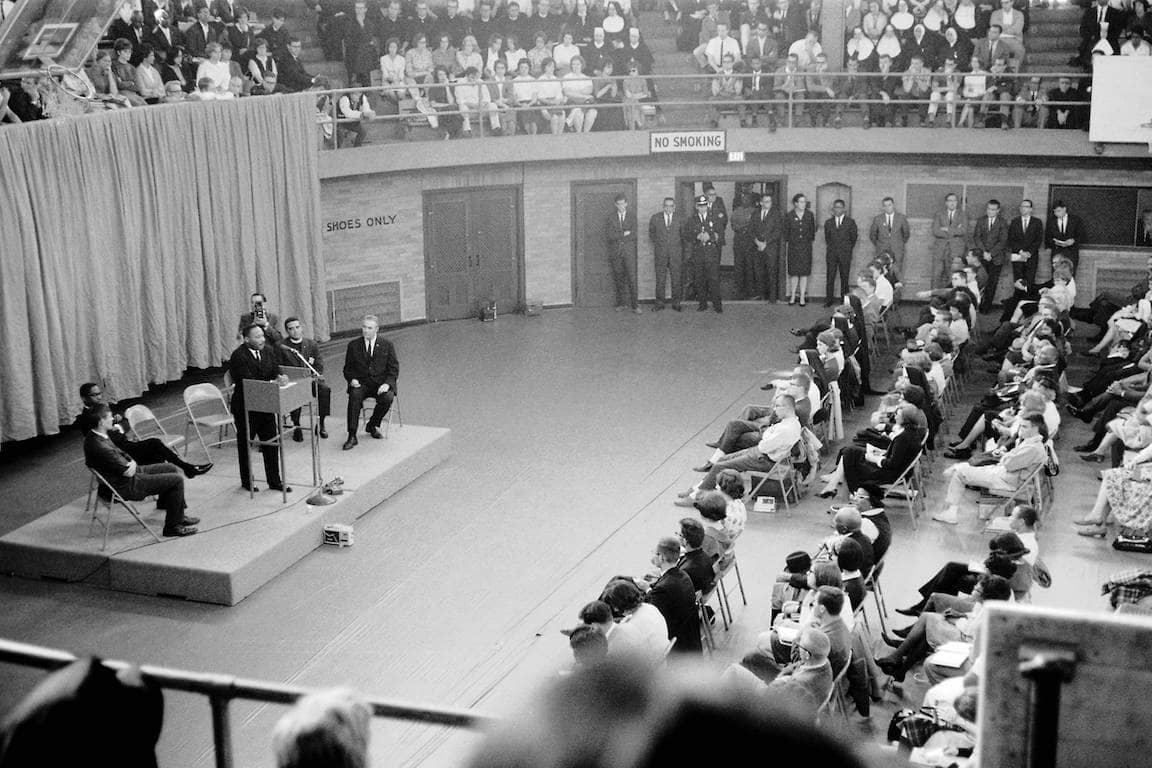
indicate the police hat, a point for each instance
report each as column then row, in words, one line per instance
column 702, row 200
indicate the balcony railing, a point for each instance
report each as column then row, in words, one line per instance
column 398, row 110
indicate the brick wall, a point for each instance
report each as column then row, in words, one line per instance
column 377, row 251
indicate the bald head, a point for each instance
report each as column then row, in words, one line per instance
column 847, row 520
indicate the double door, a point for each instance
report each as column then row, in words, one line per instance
column 472, row 251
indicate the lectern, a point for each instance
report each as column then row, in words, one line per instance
column 270, row 397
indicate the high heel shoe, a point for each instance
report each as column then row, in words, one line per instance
column 827, row 493
column 1099, row 531
column 791, row 300
column 803, row 302
column 892, row 642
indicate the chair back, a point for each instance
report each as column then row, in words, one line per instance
column 204, row 400
column 144, row 423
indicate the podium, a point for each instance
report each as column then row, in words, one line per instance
column 270, row 397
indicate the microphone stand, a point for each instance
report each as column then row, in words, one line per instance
column 319, row 498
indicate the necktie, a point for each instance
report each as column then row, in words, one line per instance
column 889, row 219
column 256, row 354
column 621, row 221
column 763, row 216
column 370, row 345
column 838, row 220
column 667, row 220
column 991, row 221
column 1024, row 223
column 1061, row 226
column 950, row 214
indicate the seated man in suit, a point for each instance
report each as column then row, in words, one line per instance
column 695, row 561
column 371, row 369
column 132, row 480
column 295, row 348
column 150, row 451
column 673, row 594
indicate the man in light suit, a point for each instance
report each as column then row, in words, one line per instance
column 1063, row 234
column 767, row 232
column 840, row 235
column 1025, row 239
column 371, row 370
column 950, row 231
column 890, row 232
column 664, row 233
column 990, row 240
column 256, row 361
column 620, row 232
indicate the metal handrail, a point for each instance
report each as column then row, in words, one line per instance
column 221, row 690
column 734, row 103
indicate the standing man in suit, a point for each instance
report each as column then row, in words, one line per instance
column 165, row 37
column 840, row 235
column 674, row 596
column 202, row 32
column 1100, row 21
column 990, row 240
column 256, row 361
column 950, row 231
column 293, row 350
column 1144, row 229
column 1025, row 239
column 262, row 316
column 767, row 233
column 703, row 234
column 620, row 232
column 135, row 481
column 1063, row 234
column 371, row 369
column 889, row 232
column 360, row 53
column 664, row 233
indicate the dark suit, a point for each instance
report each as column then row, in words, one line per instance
column 381, row 368
column 149, row 451
column 195, row 38
column 164, row 480
column 1030, row 240
column 766, row 228
column 311, row 352
column 667, row 250
column 161, row 42
column 1143, row 235
column 293, row 76
column 839, row 241
column 705, row 256
column 698, row 565
column 929, row 49
column 1090, row 29
column 891, row 239
column 1074, row 230
column 675, row 598
column 138, row 36
column 225, row 12
column 621, row 237
column 993, row 240
column 902, row 451
column 244, row 365
column 360, row 54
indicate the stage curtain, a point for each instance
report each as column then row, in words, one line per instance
column 131, row 241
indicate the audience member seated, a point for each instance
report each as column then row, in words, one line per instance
column 934, row 629
column 1124, row 497
column 1061, row 113
column 808, row 680
column 588, row 644
column 848, row 525
column 726, row 87
column 673, row 594
column 698, row 564
column 1010, row 469
column 292, row 75
column 859, row 466
column 135, row 481
column 323, row 729
column 638, row 626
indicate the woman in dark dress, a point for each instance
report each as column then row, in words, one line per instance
column 799, row 232
column 606, row 89
column 854, row 469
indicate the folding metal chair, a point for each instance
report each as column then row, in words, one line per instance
column 207, row 408
column 872, row 584
column 144, row 425
column 1028, row 491
column 837, row 697
column 784, row 474
column 110, row 496
column 394, row 411
column 722, row 590
column 705, row 625
column 908, row 487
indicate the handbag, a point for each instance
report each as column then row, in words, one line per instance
column 916, row 727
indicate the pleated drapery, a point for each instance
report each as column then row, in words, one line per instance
column 131, row 240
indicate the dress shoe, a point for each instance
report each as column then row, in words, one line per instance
column 280, row 487
column 1085, row 448
column 1092, row 457
column 914, row 611
column 958, row 453
column 803, row 303
column 768, row 386
column 829, row 303
column 827, row 493
column 874, row 392
column 252, row 488
column 350, row 442
column 195, row 470
column 375, row 432
column 180, row 530
column 892, row 642
column 1098, row 531
column 797, row 332
column 298, row 435
column 894, row 666
column 684, row 494
column 190, row 521
column 712, row 445
column 323, row 433
column 954, row 443
column 705, row 467
column 902, row 632
column 685, row 502
column 657, row 307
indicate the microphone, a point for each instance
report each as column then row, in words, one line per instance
column 303, row 359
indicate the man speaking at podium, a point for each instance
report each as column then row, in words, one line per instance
column 252, row 360
column 371, row 368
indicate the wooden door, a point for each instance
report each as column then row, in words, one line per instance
column 447, row 258
column 591, row 204
column 494, row 240
column 472, row 251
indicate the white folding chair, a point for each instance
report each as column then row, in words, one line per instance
column 1028, row 491
column 784, row 474
column 110, row 497
column 909, row 488
column 722, row 590
column 837, row 697
column 145, row 425
column 207, row 408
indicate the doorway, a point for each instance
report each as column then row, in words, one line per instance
column 731, row 191
column 593, row 285
column 473, row 254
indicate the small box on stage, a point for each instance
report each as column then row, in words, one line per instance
column 764, row 504
column 338, row 535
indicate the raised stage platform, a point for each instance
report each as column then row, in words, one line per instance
column 243, row 543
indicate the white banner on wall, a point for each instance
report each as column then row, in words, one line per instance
column 687, row 141
column 1121, row 100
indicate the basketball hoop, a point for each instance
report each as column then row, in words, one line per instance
column 71, row 92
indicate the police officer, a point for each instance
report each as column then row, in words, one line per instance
column 703, row 233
